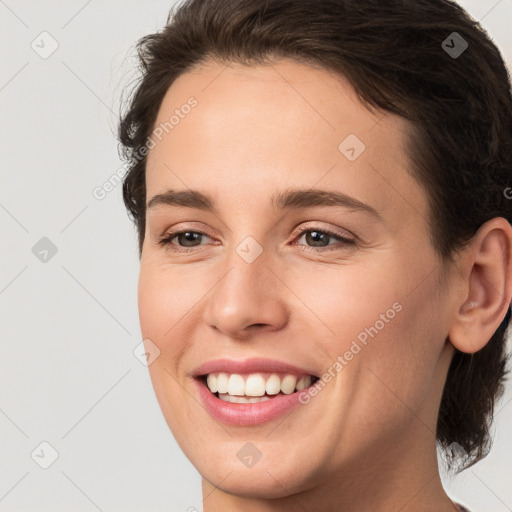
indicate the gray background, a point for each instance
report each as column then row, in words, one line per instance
column 69, row 376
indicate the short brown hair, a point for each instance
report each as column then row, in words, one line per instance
column 396, row 54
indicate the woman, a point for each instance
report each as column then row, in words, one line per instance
column 322, row 197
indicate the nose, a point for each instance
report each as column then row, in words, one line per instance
column 247, row 300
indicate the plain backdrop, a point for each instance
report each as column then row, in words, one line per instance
column 81, row 429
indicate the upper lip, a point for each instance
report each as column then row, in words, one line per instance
column 252, row 365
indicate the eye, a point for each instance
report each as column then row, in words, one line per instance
column 318, row 237
column 186, row 236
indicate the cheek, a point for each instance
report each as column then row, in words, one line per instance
column 164, row 297
column 387, row 329
column 349, row 302
column 155, row 304
column 163, row 303
column 399, row 358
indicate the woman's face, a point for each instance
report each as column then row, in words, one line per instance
column 345, row 288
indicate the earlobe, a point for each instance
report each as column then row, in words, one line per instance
column 487, row 275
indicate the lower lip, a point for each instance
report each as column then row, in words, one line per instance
column 247, row 414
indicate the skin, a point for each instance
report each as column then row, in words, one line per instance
column 367, row 440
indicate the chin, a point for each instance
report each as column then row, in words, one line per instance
column 261, row 481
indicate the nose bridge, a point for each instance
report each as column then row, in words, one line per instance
column 247, row 292
column 247, row 263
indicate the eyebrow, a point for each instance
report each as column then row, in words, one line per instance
column 291, row 198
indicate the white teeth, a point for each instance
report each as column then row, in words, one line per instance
column 212, row 382
column 288, row 384
column 242, row 399
column 303, row 382
column 255, row 384
column 222, row 383
column 236, row 385
column 273, row 385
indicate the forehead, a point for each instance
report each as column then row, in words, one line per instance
column 264, row 128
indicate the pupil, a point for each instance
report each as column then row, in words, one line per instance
column 194, row 236
column 317, row 234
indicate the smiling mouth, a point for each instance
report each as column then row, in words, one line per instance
column 254, row 387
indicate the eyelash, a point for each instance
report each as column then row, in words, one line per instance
column 166, row 239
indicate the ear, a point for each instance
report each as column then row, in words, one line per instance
column 486, row 273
